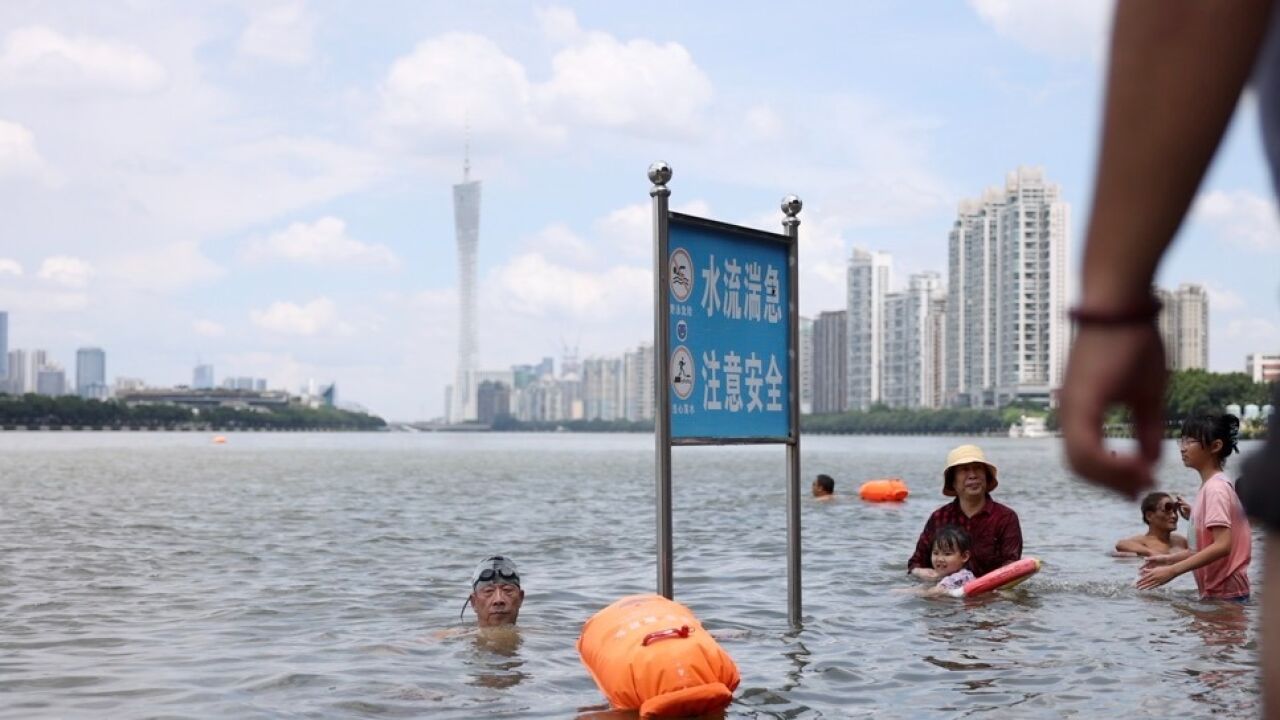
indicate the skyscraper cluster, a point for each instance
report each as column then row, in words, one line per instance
column 31, row 371
column 993, row 333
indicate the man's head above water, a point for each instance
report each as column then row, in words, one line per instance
column 495, row 592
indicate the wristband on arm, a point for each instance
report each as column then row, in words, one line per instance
column 1143, row 314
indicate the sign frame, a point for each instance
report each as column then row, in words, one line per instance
column 660, row 174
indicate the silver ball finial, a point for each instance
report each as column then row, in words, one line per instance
column 660, row 173
column 791, row 205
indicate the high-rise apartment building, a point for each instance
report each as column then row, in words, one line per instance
column 1006, row 315
column 20, row 378
column 1262, row 367
column 868, row 281
column 493, row 400
column 1184, row 326
column 935, row 348
column 639, row 371
column 909, row 361
column 4, row 347
column 604, row 388
column 202, row 377
column 51, row 380
column 830, row 354
column 466, row 218
column 91, row 373
column 805, row 352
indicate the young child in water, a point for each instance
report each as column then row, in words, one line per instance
column 1220, row 536
column 950, row 555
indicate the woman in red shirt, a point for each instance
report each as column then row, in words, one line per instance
column 994, row 529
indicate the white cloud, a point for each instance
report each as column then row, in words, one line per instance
column 534, row 286
column 558, row 24
column 38, row 56
column 640, row 86
column 324, row 242
column 18, row 154
column 280, row 32
column 456, row 80
column 1240, row 217
column 629, row 230
column 10, row 267
column 1221, row 298
column 1075, row 30
column 318, row 317
column 208, row 328
column 1254, row 332
column 460, row 80
column 66, row 270
column 166, row 268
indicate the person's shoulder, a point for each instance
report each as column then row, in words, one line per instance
column 999, row 508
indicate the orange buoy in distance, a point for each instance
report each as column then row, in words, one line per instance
column 219, row 439
column 884, row 490
column 651, row 654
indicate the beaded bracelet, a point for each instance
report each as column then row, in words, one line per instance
column 1127, row 316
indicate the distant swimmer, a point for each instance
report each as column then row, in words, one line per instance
column 824, row 487
column 1160, row 512
column 496, row 594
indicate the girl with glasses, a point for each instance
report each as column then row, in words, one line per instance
column 1220, row 531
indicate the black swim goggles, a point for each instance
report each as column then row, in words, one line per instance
column 495, row 569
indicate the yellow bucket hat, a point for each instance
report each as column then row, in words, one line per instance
column 964, row 455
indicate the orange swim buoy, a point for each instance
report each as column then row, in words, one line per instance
column 886, row 490
column 1001, row 578
column 649, row 653
column 219, row 439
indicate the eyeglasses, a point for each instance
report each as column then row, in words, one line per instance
column 1183, row 442
column 1167, row 507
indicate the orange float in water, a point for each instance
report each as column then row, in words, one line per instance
column 886, row 490
column 649, row 653
column 219, row 439
column 1001, row 578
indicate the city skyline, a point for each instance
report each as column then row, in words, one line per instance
column 268, row 185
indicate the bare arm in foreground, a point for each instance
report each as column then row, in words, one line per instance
column 1176, row 72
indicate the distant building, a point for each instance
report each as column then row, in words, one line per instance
column 466, row 219
column 329, row 396
column 200, row 399
column 19, row 378
column 202, row 377
column 4, row 346
column 638, row 370
column 91, row 373
column 868, row 281
column 909, row 358
column 1262, row 368
column 806, row 365
column 51, row 380
column 128, row 384
column 493, row 400
column 830, row 353
column 1184, row 326
column 260, row 385
column 1006, row 334
column 603, row 388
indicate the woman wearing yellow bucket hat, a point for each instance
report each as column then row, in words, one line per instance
column 994, row 529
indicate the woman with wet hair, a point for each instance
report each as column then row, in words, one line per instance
column 1220, row 536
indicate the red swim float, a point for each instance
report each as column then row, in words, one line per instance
column 649, row 653
column 885, row 490
column 1001, row 578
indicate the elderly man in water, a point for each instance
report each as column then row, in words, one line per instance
column 496, row 594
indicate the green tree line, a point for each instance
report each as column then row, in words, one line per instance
column 38, row 410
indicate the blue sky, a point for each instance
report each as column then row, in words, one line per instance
column 266, row 186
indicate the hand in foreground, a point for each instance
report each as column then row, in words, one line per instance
column 1154, row 577
column 1154, row 561
column 1123, row 365
column 925, row 573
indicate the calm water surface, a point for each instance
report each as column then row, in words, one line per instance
column 308, row 576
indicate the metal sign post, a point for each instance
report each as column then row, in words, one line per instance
column 726, row 360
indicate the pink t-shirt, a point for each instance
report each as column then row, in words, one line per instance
column 1217, row 505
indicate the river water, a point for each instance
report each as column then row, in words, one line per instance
column 311, row 575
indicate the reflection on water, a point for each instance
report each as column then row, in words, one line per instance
column 308, row 575
column 496, row 663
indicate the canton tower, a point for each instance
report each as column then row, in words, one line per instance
column 466, row 220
